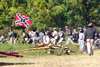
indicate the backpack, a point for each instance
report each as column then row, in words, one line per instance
column 37, row 34
column 15, row 35
column 63, row 34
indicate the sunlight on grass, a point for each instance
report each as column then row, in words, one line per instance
column 26, row 49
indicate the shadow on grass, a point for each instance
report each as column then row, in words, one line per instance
column 4, row 63
column 3, row 56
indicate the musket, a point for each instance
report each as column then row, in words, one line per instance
column 10, row 54
column 21, row 36
column 69, row 26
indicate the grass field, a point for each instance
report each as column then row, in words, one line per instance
column 25, row 49
column 39, row 58
column 74, row 60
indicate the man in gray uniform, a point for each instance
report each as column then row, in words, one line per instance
column 33, row 34
column 61, row 36
column 69, row 33
column 89, row 38
column 25, row 37
column 11, row 36
column 2, row 39
column 41, row 35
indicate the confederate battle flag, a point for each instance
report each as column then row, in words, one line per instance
column 22, row 20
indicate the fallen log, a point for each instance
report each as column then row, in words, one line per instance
column 41, row 48
column 41, row 44
column 68, row 50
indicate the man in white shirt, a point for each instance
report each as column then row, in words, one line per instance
column 30, row 33
column 2, row 38
column 69, row 33
column 33, row 34
column 41, row 35
column 55, row 36
column 61, row 35
column 54, row 32
column 46, row 39
column 25, row 37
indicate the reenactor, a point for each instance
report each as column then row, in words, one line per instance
column 61, row 36
column 41, row 35
column 11, row 36
column 2, row 39
column 69, row 33
column 25, row 37
column 46, row 39
column 54, row 32
column 89, row 38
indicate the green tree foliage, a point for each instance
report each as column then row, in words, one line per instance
column 51, row 13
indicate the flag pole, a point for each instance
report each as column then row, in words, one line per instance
column 14, row 22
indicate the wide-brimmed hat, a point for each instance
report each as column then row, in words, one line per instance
column 90, row 24
column 59, row 28
column 66, row 26
column 54, row 28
